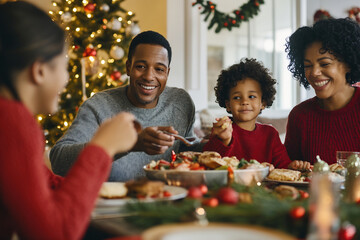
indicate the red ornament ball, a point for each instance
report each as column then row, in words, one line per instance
column 194, row 192
column 347, row 232
column 226, row 24
column 203, row 188
column 303, row 194
column 228, row 195
column 297, row 212
column 90, row 7
column 89, row 52
column 115, row 75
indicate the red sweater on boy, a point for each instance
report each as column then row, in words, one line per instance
column 262, row 144
column 314, row 131
column 35, row 203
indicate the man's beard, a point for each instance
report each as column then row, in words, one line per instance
column 141, row 101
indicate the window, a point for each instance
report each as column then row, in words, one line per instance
column 263, row 38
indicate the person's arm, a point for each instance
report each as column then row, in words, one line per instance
column 64, row 153
column 293, row 137
column 216, row 145
column 56, row 208
column 280, row 158
column 39, row 208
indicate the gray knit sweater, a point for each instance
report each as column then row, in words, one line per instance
column 175, row 108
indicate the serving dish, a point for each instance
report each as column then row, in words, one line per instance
column 211, row 178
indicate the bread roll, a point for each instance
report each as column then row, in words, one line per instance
column 113, row 190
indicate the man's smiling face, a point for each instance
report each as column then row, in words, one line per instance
column 148, row 70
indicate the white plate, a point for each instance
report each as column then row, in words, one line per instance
column 294, row 183
column 176, row 193
column 213, row 231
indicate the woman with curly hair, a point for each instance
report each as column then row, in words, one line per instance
column 245, row 89
column 325, row 56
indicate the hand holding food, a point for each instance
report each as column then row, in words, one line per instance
column 117, row 134
column 222, row 128
column 154, row 140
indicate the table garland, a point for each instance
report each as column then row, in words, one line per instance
column 266, row 209
column 228, row 20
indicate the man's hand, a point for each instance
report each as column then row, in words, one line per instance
column 222, row 129
column 153, row 140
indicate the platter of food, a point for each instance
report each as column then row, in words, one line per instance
column 195, row 168
column 297, row 178
column 113, row 194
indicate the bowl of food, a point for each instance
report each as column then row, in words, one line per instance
column 209, row 168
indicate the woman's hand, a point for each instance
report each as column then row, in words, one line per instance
column 300, row 165
column 222, row 129
column 117, row 134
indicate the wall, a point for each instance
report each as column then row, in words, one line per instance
column 336, row 8
column 150, row 14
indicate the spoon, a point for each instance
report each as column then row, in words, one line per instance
column 188, row 141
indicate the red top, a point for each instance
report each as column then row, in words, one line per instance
column 35, row 203
column 314, row 131
column 263, row 144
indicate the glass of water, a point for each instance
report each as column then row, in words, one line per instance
column 341, row 156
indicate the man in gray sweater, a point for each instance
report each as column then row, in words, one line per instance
column 158, row 108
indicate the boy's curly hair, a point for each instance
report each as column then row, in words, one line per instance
column 247, row 68
column 340, row 37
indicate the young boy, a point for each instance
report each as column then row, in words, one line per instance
column 245, row 89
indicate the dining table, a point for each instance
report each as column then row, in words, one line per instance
column 129, row 221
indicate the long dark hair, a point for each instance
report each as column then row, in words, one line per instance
column 27, row 34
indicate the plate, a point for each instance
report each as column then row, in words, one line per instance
column 301, row 184
column 294, row 183
column 212, row 231
column 176, row 193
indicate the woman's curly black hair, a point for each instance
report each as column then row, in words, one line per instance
column 247, row 68
column 339, row 37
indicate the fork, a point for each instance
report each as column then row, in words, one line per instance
column 188, row 141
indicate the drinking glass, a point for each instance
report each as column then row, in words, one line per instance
column 341, row 156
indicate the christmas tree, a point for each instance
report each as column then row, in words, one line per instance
column 99, row 34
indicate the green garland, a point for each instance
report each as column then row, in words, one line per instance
column 228, row 20
column 266, row 209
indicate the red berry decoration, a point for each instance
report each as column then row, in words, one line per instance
column 297, row 212
column 203, row 188
column 115, row 75
column 228, row 195
column 194, row 192
column 347, row 232
column 211, row 202
column 303, row 194
column 90, row 7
